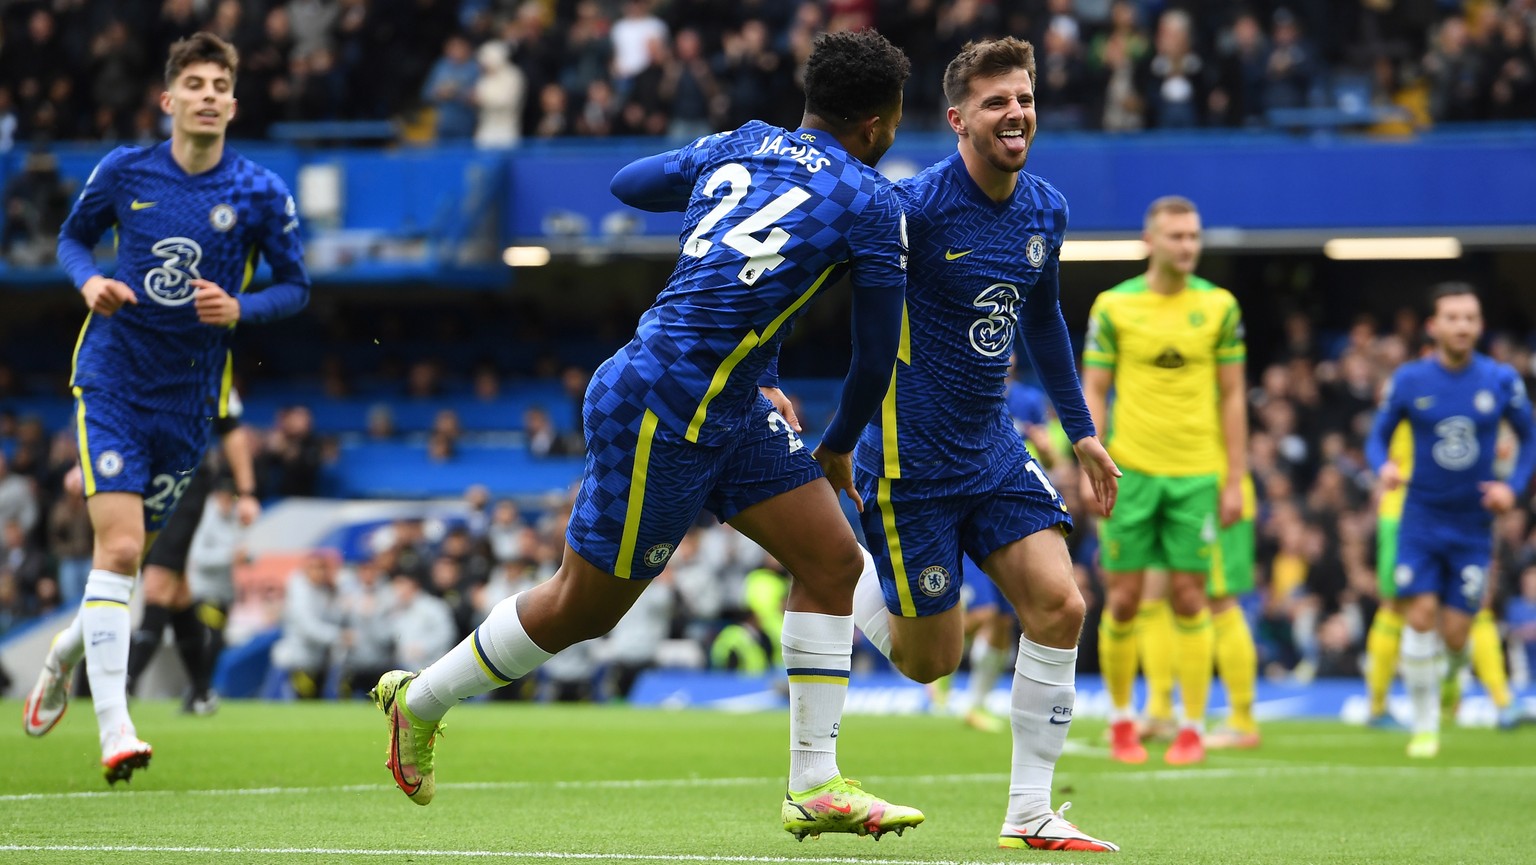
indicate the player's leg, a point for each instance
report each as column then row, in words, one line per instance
column 1462, row 597
column 637, row 499
column 1487, row 649
column 1035, row 574
column 1383, row 642
column 214, row 615
column 118, row 522
column 992, row 646
column 1189, row 538
column 1421, row 574
column 772, row 492
column 1237, row 659
column 1128, row 546
column 159, row 592
column 1154, row 649
column 192, row 645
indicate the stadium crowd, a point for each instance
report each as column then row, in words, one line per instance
column 1310, row 408
column 497, row 71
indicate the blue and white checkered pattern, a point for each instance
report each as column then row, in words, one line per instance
column 973, row 261
column 774, row 216
column 172, row 228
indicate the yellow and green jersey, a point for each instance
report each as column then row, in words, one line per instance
column 1400, row 451
column 1164, row 351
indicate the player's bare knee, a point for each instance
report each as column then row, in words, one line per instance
column 925, row 667
column 119, row 552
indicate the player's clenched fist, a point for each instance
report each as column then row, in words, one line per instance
column 215, row 306
column 105, row 296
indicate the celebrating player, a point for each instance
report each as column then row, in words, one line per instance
column 943, row 468
column 1452, row 401
column 675, row 423
column 1171, row 345
column 153, row 364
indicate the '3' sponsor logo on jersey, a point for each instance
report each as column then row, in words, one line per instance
column 170, row 283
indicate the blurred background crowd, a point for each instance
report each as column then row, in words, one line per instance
column 497, row 71
column 478, row 390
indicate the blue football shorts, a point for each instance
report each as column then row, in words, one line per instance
column 642, row 490
column 128, row 449
column 917, row 529
column 1434, row 556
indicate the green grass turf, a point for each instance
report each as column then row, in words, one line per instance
column 539, row 783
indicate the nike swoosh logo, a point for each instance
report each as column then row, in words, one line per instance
column 142, row 205
column 951, row 256
column 1059, row 723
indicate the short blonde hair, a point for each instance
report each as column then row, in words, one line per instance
column 1168, row 204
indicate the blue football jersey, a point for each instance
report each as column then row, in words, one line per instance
column 172, row 228
column 773, row 218
column 973, row 262
column 1454, row 418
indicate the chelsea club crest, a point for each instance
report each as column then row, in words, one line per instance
column 1034, row 250
column 222, row 217
column 933, row 581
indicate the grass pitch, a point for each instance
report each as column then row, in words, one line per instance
column 286, row 783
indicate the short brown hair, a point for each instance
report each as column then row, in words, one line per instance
column 1168, row 204
column 201, row 47
column 986, row 59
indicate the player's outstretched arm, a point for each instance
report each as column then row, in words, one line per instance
column 236, row 443
column 1379, row 440
column 648, row 184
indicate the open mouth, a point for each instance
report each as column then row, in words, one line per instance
column 1013, row 140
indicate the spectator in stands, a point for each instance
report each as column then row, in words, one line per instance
column 450, row 90
column 423, row 625
column 8, row 121
column 366, row 601
column 70, row 541
column 646, row 110
column 27, row 564
column 312, row 626
column 424, row 380
column 689, row 87
column 499, row 95
column 36, row 202
column 313, row 24
column 599, row 116
column 1064, row 89
column 630, row 648
column 1237, row 99
column 509, row 536
column 543, row 439
column 1289, row 72
column 1455, row 75
column 292, row 456
column 1174, row 77
column 263, row 89
column 555, row 119
column 116, row 70
column 1512, row 94
column 477, row 519
column 633, row 36
column 18, row 498
column 1123, row 109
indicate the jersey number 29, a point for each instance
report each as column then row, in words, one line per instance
column 762, row 255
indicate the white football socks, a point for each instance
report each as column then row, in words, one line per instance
column 68, row 645
column 105, row 624
column 494, row 654
column 869, row 610
column 1044, row 690
column 818, row 651
column 987, row 664
column 1421, row 660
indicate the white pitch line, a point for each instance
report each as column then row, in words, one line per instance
column 513, row 855
column 1202, row 774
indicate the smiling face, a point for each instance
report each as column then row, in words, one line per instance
column 201, row 101
column 997, row 119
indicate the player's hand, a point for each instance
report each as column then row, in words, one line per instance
column 247, row 509
column 215, row 306
column 105, row 296
column 783, row 405
column 1390, row 476
column 1498, row 497
column 1231, row 503
column 839, row 471
column 1100, row 474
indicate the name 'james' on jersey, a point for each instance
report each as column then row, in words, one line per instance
column 974, row 261
column 172, row 228
column 773, row 218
